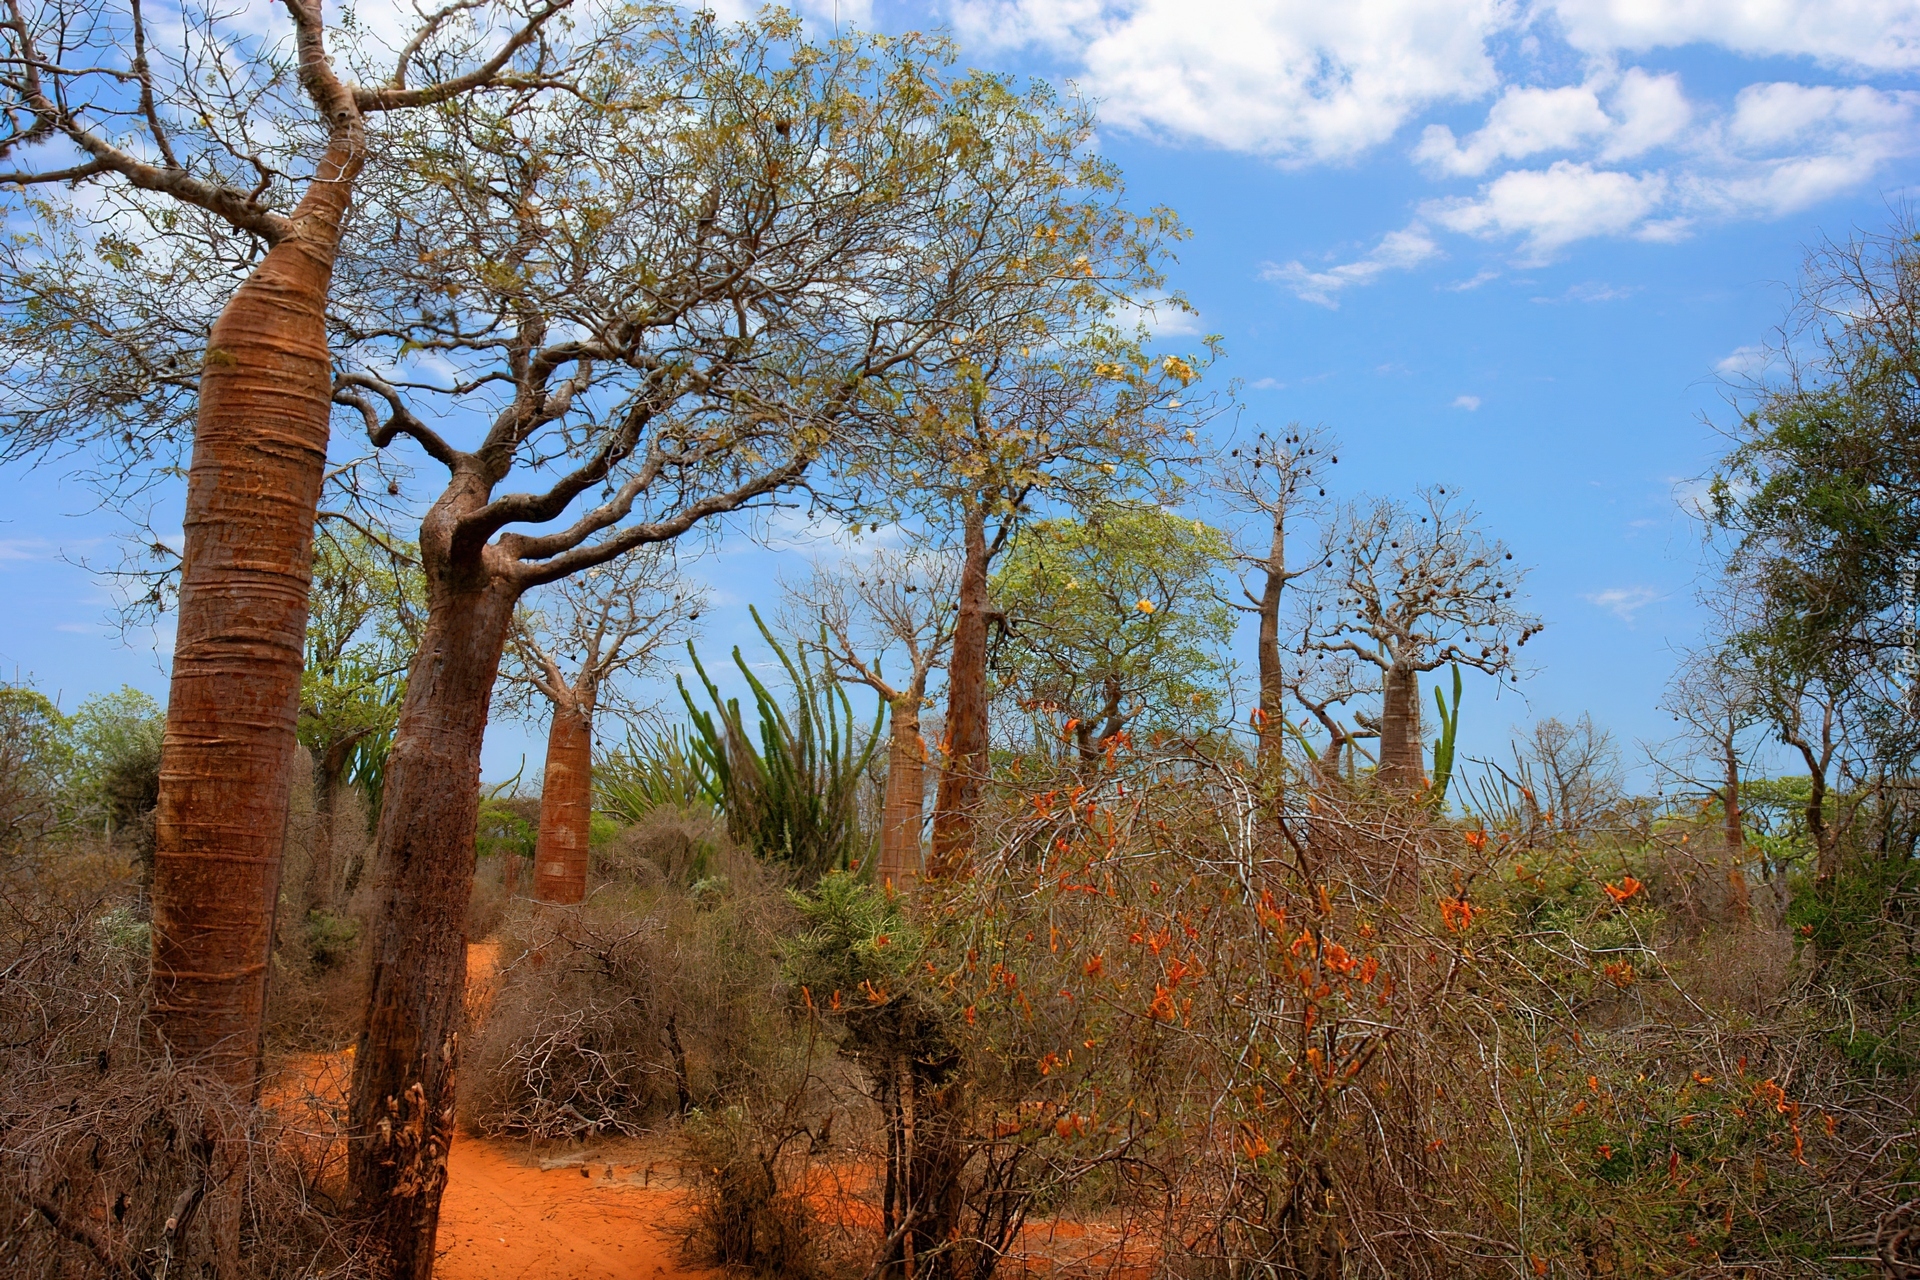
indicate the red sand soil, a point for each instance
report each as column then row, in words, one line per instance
column 506, row 1218
column 617, row 1211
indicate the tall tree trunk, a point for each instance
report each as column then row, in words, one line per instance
column 1736, row 837
column 402, row 1107
column 566, row 807
column 901, row 819
column 963, row 773
column 323, row 877
column 1402, row 768
column 1272, row 718
column 253, row 487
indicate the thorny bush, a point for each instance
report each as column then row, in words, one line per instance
column 1334, row 1036
column 114, row 1162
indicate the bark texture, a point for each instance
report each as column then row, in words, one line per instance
column 963, row 772
column 901, row 819
column 566, row 808
column 323, row 877
column 1269, row 724
column 404, row 1069
column 253, row 486
column 1402, row 768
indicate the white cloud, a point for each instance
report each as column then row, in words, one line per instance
column 1553, row 207
column 1745, row 361
column 1874, row 35
column 1397, row 251
column 1266, row 384
column 1469, row 403
column 1624, row 602
column 1159, row 316
column 1291, row 81
column 1523, row 122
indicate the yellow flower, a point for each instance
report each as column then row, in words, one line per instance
column 1145, row 606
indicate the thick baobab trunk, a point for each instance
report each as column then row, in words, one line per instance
column 1402, row 768
column 901, row 819
column 402, row 1107
column 566, row 808
column 963, row 773
column 253, row 487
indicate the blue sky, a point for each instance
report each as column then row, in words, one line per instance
column 1515, row 248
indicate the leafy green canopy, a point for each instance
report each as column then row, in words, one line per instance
column 1116, row 622
column 1822, row 492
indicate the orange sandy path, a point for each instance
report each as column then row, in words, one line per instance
column 503, row 1219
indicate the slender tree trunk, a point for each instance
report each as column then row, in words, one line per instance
column 963, row 773
column 1272, row 718
column 1401, row 767
column 1735, row 833
column 323, row 877
column 1825, row 848
column 402, row 1107
column 566, row 808
column 901, row 819
column 253, row 487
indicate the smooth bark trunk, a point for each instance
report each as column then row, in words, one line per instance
column 566, row 808
column 902, row 818
column 402, row 1107
column 1402, row 769
column 253, row 487
column 1272, row 717
column 963, row 772
column 323, row 876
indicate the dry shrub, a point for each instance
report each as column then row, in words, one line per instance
column 1339, row 1037
column 632, row 1007
column 114, row 1161
column 750, row 1210
column 666, row 844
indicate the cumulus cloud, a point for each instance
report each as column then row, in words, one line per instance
column 1397, row 251
column 1553, row 207
column 1612, row 149
column 1870, row 35
column 1293, row 82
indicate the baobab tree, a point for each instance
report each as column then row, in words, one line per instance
column 1406, row 589
column 892, row 601
column 1276, row 481
column 606, row 625
column 1021, row 430
column 206, row 161
column 713, row 282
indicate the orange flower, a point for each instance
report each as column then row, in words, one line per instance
column 1093, row 967
column 1476, row 840
column 1457, row 913
column 1161, row 1010
column 1368, row 968
column 1337, row 959
column 1627, row 887
column 1620, row 974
